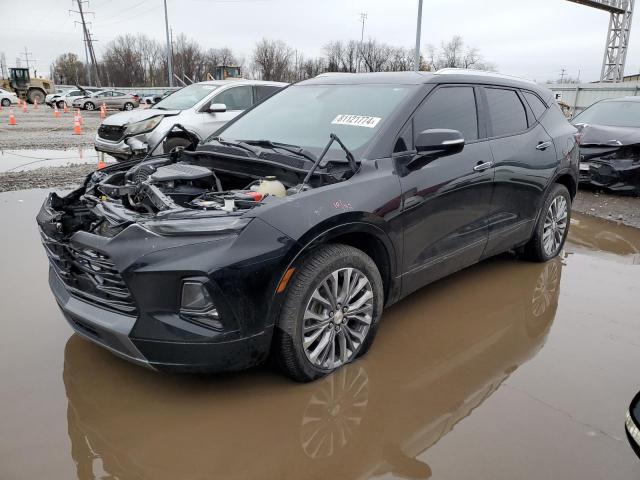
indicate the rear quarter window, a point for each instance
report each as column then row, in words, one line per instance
column 507, row 113
column 537, row 106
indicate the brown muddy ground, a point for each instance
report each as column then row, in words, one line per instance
column 508, row 370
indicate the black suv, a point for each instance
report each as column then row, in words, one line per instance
column 292, row 227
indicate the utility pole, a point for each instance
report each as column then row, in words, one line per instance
column 562, row 75
column 169, row 49
column 26, row 57
column 90, row 54
column 363, row 17
column 416, row 61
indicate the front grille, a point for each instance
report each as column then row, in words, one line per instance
column 90, row 276
column 113, row 133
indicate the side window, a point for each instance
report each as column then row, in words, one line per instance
column 236, row 98
column 507, row 113
column 449, row 107
column 75, row 93
column 537, row 106
column 264, row 91
column 117, row 94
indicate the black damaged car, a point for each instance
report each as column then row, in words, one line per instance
column 292, row 228
column 610, row 145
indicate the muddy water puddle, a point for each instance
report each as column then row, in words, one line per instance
column 508, row 370
column 22, row 160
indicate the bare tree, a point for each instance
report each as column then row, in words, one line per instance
column 68, row 69
column 342, row 56
column 455, row 54
column 272, row 60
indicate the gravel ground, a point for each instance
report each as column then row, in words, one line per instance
column 623, row 209
column 49, row 177
column 40, row 129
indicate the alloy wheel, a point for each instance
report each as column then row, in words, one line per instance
column 337, row 318
column 555, row 226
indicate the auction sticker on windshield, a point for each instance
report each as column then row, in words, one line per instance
column 356, row 120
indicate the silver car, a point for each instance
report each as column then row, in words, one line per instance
column 201, row 108
column 111, row 98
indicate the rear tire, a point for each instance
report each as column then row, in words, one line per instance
column 5, row 102
column 60, row 104
column 552, row 228
column 321, row 327
column 128, row 106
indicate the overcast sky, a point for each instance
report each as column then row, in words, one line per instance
column 531, row 39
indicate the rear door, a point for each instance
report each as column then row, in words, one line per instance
column 447, row 202
column 524, row 159
column 117, row 99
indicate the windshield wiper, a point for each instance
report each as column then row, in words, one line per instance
column 333, row 138
column 296, row 150
column 241, row 145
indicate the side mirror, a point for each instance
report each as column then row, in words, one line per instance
column 436, row 143
column 217, row 108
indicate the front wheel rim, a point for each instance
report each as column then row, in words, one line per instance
column 337, row 318
column 555, row 226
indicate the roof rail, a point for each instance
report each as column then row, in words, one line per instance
column 483, row 73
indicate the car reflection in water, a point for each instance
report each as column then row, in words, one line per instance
column 444, row 351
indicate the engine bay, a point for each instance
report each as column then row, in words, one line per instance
column 187, row 180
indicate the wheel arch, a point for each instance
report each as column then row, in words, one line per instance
column 566, row 179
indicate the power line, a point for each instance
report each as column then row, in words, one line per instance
column 89, row 52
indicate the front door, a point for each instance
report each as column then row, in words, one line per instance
column 447, row 202
column 237, row 99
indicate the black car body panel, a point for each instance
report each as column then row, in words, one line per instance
column 417, row 225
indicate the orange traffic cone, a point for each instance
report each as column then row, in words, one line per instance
column 101, row 164
column 77, row 129
column 19, row 101
column 66, row 109
column 0, row 107
column 12, row 118
column 79, row 116
column 35, row 104
column 103, row 111
column 56, row 112
column 24, row 107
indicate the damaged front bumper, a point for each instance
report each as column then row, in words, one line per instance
column 617, row 175
column 125, row 292
column 126, row 148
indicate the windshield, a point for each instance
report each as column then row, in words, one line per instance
column 186, row 97
column 612, row 114
column 305, row 115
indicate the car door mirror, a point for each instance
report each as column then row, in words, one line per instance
column 217, row 108
column 436, row 143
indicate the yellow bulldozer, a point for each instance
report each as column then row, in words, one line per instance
column 27, row 88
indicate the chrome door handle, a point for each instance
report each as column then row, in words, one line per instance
column 481, row 167
column 543, row 145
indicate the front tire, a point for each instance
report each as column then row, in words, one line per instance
column 5, row 102
column 330, row 314
column 60, row 104
column 552, row 228
column 89, row 106
column 128, row 106
column 174, row 142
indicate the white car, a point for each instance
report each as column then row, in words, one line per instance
column 201, row 108
column 68, row 96
column 7, row 98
